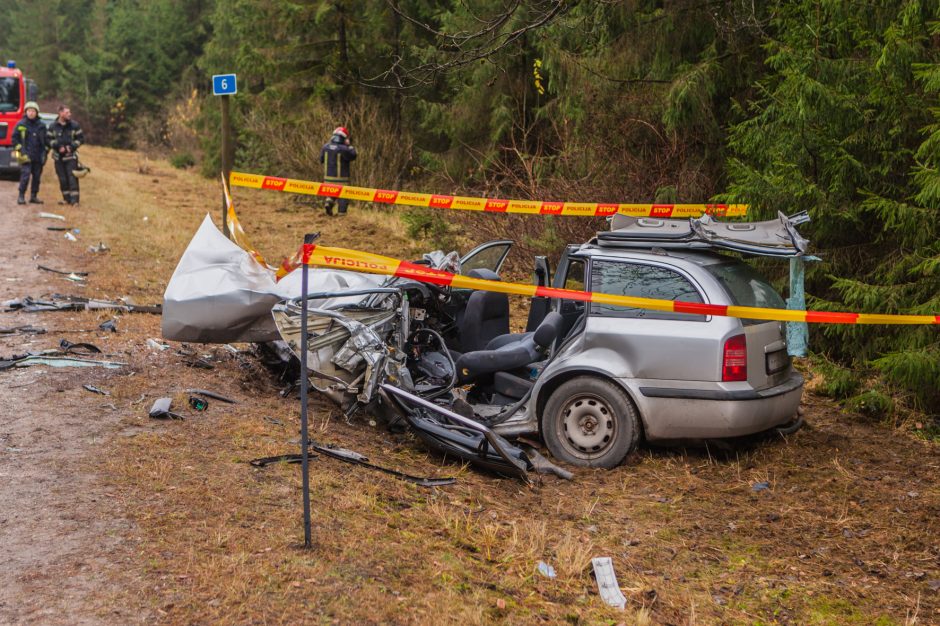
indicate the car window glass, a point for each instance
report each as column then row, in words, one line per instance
column 644, row 281
column 489, row 258
column 746, row 287
column 574, row 277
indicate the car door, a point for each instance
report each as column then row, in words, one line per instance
column 487, row 256
column 571, row 274
column 652, row 344
column 490, row 256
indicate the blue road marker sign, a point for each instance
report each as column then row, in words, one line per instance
column 224, row 85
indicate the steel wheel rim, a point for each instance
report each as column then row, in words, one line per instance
column 587, row 425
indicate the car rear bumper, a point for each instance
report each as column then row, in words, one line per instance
column 708, row 413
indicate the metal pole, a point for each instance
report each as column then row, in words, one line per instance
column 226, row 157
column 304, row 384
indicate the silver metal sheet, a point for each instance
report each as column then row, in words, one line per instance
column 220, row 294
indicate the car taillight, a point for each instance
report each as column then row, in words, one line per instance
column 734, row 362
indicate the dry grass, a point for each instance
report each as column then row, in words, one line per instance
column 837, row 539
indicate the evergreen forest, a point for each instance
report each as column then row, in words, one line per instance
column 828, row 106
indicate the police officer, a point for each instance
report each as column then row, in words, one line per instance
column 66, row 137
column 336, row 156
column 29, row 143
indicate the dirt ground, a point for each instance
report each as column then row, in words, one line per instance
column 109, row 517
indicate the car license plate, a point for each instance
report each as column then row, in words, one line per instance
column 777, row 361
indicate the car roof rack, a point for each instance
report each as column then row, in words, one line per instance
column 774, row 238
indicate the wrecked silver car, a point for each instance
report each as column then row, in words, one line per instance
column 590, row 379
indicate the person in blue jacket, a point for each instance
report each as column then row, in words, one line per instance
column 29, row 142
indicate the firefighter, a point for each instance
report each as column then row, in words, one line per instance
column 336, row 157
column 29, row 144
column 66, row 137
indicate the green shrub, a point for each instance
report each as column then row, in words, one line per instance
column 871, row 403
column 838, row 382
column 429, row 225
column 182, row 160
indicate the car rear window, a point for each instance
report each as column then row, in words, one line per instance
column 746, row 287
column 644, row 281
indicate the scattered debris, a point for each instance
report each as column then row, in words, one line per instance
column 101, row 247
column 94, row 389
column 545, row 569
column 198, row 404
column 22, row 330
column 55, row 361
column 353, row 457
column 52, row 216
column 78, row 277
column 58, row 228
column 213, row 395
column 59, row 302
column 70, row 237
column 78, row 348
column 156, row 345
column 607, row 584
column 161, row 409
column 763, row 486
column 110, row 325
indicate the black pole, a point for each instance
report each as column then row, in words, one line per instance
column 304, row 383
column 226, row 158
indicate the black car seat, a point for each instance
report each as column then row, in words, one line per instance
column 485, row 317
column 504, row 355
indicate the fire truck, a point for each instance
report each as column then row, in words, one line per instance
column 15, row 91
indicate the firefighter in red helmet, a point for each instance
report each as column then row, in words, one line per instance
column 337, row 156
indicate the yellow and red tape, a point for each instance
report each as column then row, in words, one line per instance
column 339, row 258
column 486, row 205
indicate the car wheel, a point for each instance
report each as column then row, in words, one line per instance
column 590, row 422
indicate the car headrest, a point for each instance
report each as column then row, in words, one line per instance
column 482, row 272
column 548, row 330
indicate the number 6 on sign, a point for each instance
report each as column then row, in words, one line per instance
column 224, row 85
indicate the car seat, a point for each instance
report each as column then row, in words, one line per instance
column 510, row 352
column 485, row 317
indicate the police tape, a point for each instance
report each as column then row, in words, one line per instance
column 486, row 205
column 236, row 232
column 339, row 258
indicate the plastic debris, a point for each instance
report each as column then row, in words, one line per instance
column 22, row 330
column 212, row 394
column 94, row 389
column 59, row 302
column 607, row 584
column 56, row 361
column 78, row 348
column 161, row 409
column 198, row 404
column 70, row 237
column 110, row 325
column 760, row 486
column 101, row 247
column 545, row 569
column 52, row 216
column 156, row 345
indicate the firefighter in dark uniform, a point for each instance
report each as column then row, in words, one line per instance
column 66, row 137
column 29, row 144
column 336, row 157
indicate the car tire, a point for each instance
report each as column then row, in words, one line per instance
column 590, row 422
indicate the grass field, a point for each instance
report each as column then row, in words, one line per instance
column 846, row 533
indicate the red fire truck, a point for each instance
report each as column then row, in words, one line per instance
column 15, row 91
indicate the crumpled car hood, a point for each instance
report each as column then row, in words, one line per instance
column 220, row 294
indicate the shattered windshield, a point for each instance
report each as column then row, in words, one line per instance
column 9, row 94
